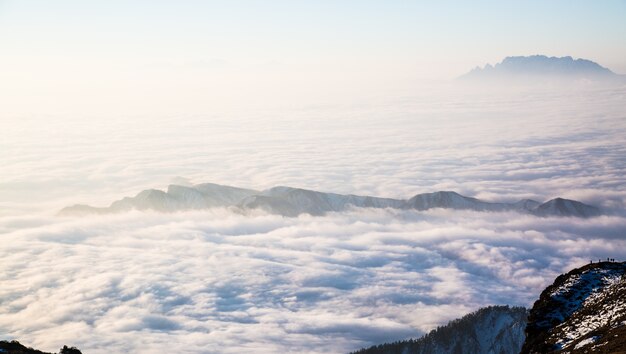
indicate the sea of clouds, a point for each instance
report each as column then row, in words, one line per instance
column 217, row 281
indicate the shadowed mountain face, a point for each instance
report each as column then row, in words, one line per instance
column 565, row 207
column 583, row 311
column 493, row 330
column 318, row 203
column 543, row 67
column 289, row 201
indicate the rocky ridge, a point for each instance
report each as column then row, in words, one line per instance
column 288, row 201
column 583, row 311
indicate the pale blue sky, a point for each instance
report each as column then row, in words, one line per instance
column 321, row 43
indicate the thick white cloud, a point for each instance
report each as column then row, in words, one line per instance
column 216, row 281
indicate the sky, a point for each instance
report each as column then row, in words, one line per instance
column 157, row 56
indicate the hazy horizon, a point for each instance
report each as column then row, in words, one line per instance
column 151, row 57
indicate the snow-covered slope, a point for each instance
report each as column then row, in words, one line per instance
column 583, row 311
column 290, row 201
column 490, row 330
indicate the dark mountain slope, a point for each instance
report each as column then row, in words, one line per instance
column 15, row 347
column 495, row 329
column 565, row 207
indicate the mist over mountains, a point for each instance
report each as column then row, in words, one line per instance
column 237, row 278
column 288, row 201
column 361, row 192
column 540, row 68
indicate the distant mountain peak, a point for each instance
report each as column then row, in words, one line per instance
column 535, row 67
column 566, row 207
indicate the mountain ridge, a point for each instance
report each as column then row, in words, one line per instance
column 541, row 67
column 289, row 201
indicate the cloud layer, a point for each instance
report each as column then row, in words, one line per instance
column 218, row 281
column 508, row 147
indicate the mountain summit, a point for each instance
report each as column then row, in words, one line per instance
column 542, row 67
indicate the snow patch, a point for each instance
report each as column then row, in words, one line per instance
column 585, row 342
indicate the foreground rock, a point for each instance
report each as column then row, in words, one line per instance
column 15, row 347
column 583, row 311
